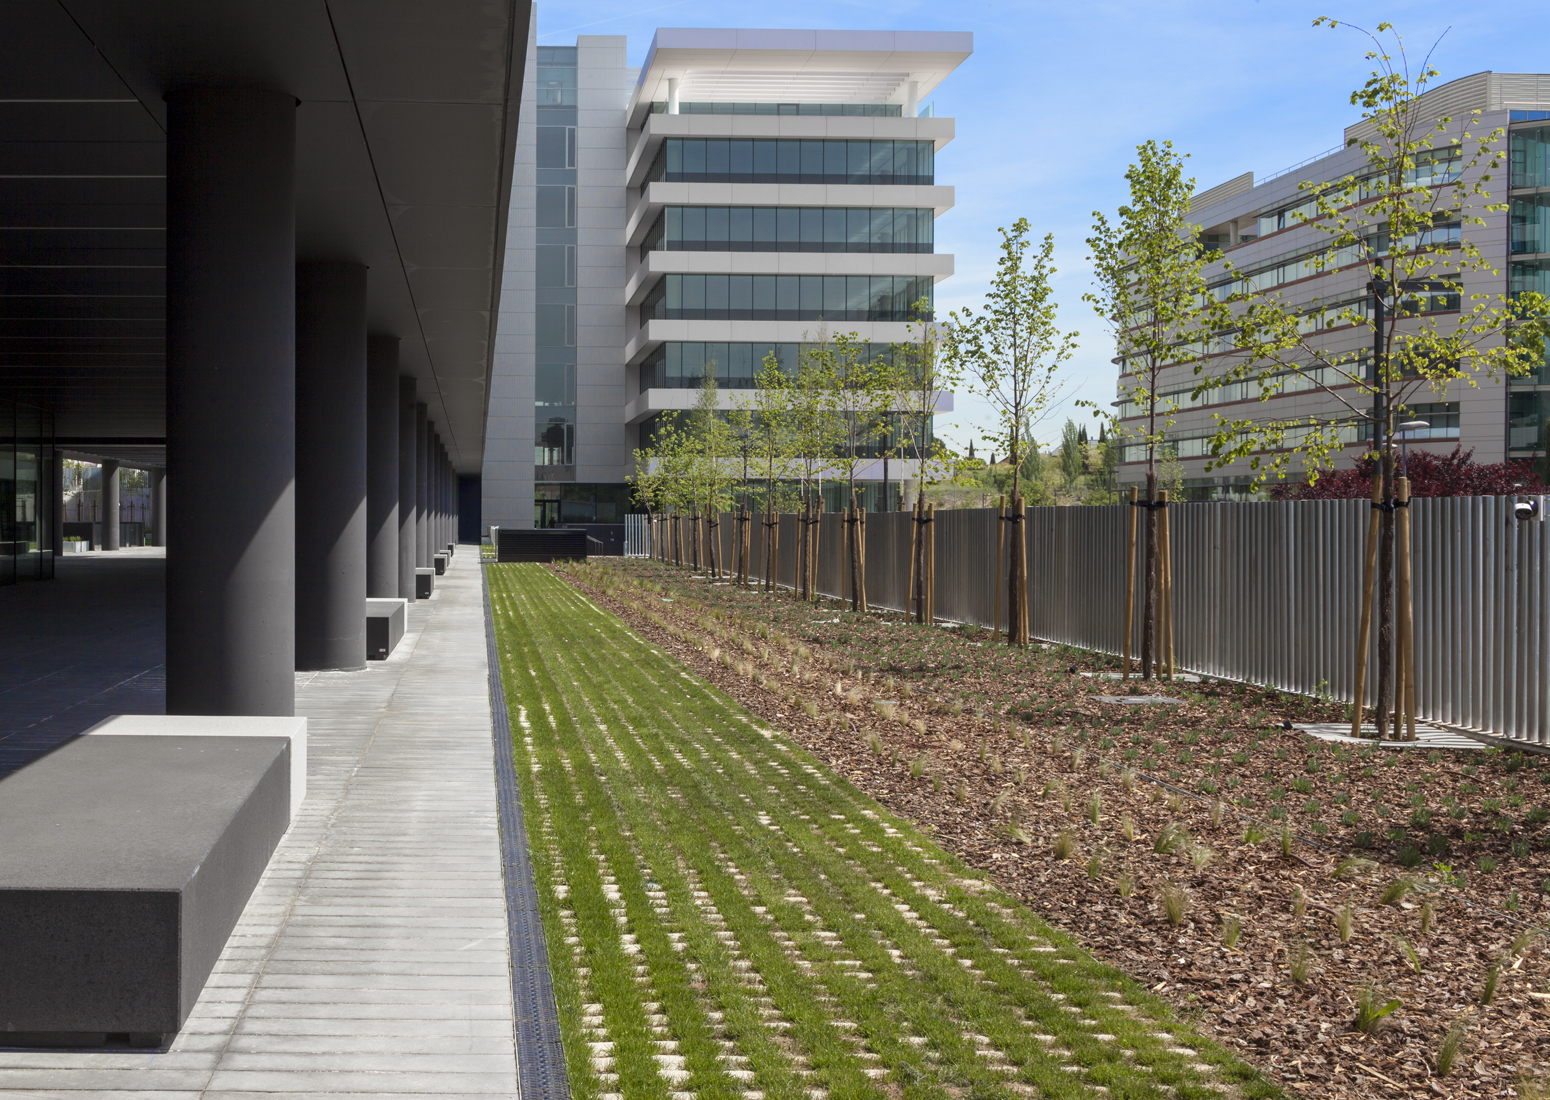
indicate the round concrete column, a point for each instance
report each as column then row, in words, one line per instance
column 407, row 463
column 231, row 401
column 330, row 465
column 110, row 506
column 422, row 534
column 382, row 466
column 158, row 507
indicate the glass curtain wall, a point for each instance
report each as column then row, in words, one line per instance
column 791, row 229
column 26, row 493
column 788, row 160
column 789, row 298
column 554, row 390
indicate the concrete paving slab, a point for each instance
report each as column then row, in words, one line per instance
column 397, row 841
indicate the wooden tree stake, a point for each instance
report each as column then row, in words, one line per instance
column 1130, row 581
column 1365, row 628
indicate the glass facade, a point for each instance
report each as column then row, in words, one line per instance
column 862, row 110
column 26, row 493
column 1528, row 157
column 1530, row 221
column 678, row 365
column 775, row 160
column 554, row 321
column 791, row 229
column 789, row 298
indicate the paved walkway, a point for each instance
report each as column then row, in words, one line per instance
column 372, row 959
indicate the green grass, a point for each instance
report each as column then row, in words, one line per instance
column 787, row 933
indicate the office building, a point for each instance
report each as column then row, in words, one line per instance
column 1258, row 226
column 739, row 194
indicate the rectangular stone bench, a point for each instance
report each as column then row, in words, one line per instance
column 385, row 621
column 424, row 583
column 127, row 861
column 439, row 562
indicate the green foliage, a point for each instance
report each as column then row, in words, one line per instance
column 1385, row 217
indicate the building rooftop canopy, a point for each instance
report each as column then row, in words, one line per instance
column 798, row 66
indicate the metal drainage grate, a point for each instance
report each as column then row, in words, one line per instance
column 540, row 1051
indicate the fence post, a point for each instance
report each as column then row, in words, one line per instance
column 1364, row 629
column 1130, row 581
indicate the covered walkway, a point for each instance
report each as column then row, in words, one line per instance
column 372, row 959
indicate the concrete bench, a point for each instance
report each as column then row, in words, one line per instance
column 424, row 583
column 439, row 562
column 385, row 621
column 128, row 859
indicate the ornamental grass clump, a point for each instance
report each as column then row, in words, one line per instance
column 1174, row 899
column 1372, row 1010
column 1064, row 845
column 1395, row 891
column 1448, row 1052
column 1232, row 930
column 1171, row 840
column 1345, row 917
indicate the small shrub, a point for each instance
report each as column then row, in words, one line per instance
column 1410, row 856
column 1232, row 931
column 1172, row 839
column 1448, row 1052
column 1371, row 1010
column 1363, row 840
column 1254, row 833
column 1395, row 891
column 1299, row 960
column 1486, row 864
column 1488, row 990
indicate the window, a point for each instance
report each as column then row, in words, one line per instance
column 556, row 87
column 787, row 298
column 556, row 265
column 773, row 160
column 555, row 326
column 867, row 110
column 682, row 365
column 556, row 207
column 1530, row 221
column 556, row 146
column 791, row 229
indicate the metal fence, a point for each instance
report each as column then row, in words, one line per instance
column 637, row 539
column 1263, row 592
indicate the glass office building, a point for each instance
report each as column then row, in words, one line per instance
column 742, row 192
column 1258, row 226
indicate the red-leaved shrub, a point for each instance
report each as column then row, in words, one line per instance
column 1431, row 475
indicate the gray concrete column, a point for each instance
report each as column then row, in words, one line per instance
column 438, row 544
column 158, row 507
column 407, row 464
column 110, row 506
column 231, row 401
column 382, row 466
column 330, row 465
column 422, row 534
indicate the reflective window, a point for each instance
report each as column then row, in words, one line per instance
column 682, row 364
column 865, row 110
column 774, row 160
column 1530, row 221
column 789, row 298
column 791, row 229
column 1528, row 163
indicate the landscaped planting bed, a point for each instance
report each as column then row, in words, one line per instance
column 1283, row 888
column 726, row 918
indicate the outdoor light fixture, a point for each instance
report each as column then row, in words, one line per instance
column 1529, row 509
column 1404, row 431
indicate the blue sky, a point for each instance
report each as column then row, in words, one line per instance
column 1055, row 98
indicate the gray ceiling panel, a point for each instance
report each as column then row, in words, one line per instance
column 405, row 134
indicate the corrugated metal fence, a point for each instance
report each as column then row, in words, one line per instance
column 1263, row 592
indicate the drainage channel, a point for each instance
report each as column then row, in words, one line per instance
column 540, row 1051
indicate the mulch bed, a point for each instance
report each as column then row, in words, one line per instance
column 999, row 753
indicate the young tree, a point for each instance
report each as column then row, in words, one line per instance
column 1151, row 289
column 1012, row 353
column 709, row 467
column 816, row 427
column 921, row 378
column 1403, row 220
column 769, row 409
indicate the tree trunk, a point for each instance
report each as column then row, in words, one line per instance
column 1149, row 581
column 853, row 519
column 1386, row 600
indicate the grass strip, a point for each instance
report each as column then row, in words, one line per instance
column 660, row 775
